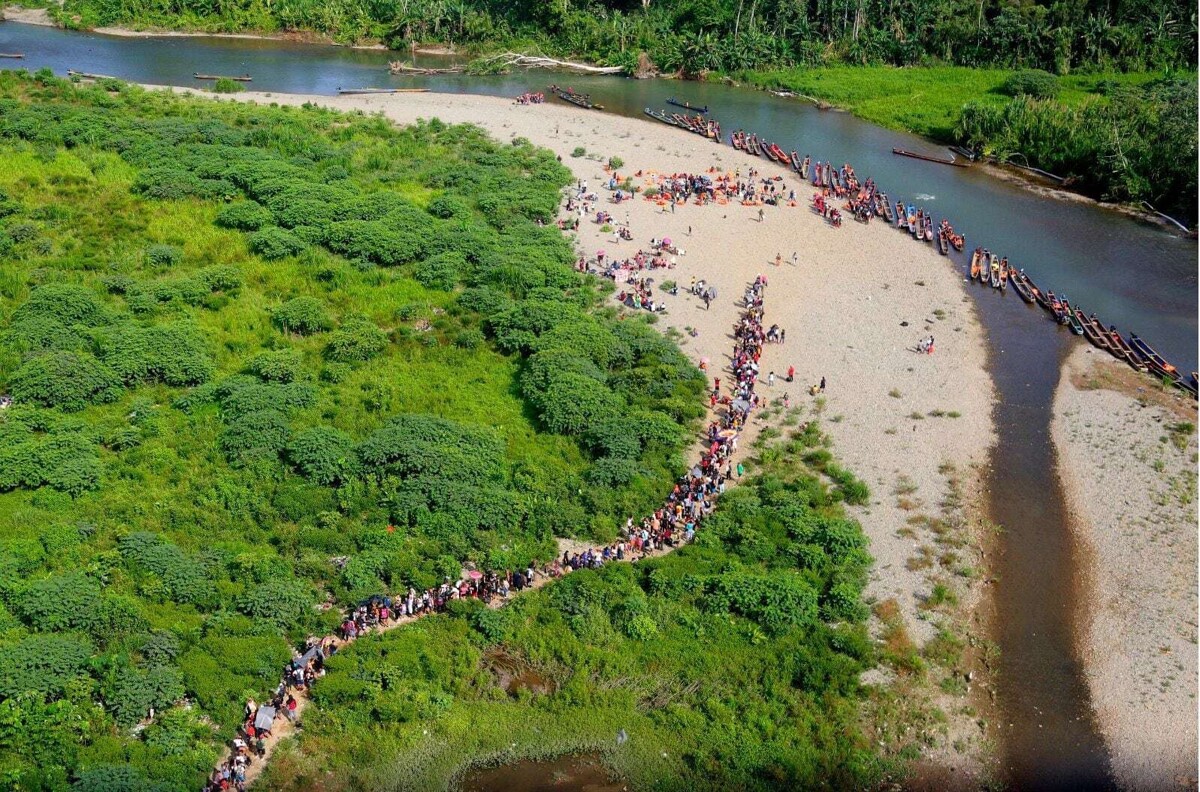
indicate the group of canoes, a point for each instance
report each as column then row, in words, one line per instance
column 574, row 97
column 698, row 123
column 990, row 269
column 985, row 267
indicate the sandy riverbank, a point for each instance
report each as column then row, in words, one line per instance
column 1131, row 498
column 854, row 309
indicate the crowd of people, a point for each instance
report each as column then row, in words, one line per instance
column 531, row 98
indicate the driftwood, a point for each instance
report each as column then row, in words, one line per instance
column 396, row 67
column 504, row 61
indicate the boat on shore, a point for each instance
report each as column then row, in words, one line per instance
column 976, row 263
column 1119, row 343
column 660, row 115
column 1154, row 361
column 577, row 99
column 1074, row 317
column 993, row 271
column 1004, row 273
column 687, row 106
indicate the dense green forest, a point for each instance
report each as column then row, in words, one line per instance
column 726, row 35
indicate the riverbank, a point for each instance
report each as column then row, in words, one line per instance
column 854, row 308
column 1127, row 461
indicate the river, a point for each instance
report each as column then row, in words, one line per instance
column 1131, row 274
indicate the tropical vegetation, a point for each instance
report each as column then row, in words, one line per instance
column 262, row 359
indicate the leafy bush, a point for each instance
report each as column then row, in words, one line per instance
column 43, row 664
column 424, row 445
column 281, row 365
column 322, row 455
column 281, row 601
column 227, row 86
column 303, row 315
column 377, row 242
column 62, row 602
column 67, row 380
column 184, row 580
column 1031, row 82
column 261, row 434
column 134, row 691
column 172, row 354
column 357, row 339
column 442, row 271
column 65, row 303
column 162, row 256
column 273, row 242
column 115, row 778
column 244, row 216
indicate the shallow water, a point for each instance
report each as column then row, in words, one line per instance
column 1133, row 275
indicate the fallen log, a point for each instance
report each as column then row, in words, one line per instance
column 12, row 54
column 396, row 67
column 938, row 160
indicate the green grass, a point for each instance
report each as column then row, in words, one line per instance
column 925, row 100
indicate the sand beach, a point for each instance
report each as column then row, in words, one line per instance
column 1128, row 469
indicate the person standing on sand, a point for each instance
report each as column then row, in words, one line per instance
column 778, row 259
column 771, row 379
column 761, row 214
column 795, row 258
column 791, row 375
column 822, row 384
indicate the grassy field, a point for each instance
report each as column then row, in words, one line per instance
column 923, row 100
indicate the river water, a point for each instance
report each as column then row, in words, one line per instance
column 1133, row 275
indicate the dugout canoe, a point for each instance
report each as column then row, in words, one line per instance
column 688, row 106
column 242, row 78
column 926, row 158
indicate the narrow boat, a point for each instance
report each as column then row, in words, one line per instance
column 736, row 140
column 577, row 99
column 938, row 160
column 1021, row 284
column 1004, row 273
column 976, row 263
column 356, row 91
column 779, row 155
column 243, row 78
column 796, row 166
column 1127, row 353
column 12, row 54
column 687, row 106
column 886, row 206
column 1073, row 317
column 1187, row 386
column 1095, row 332
column 659, row 115
column 804, row 168
column 829, row 176
column 901, row 216
column 1038, row 295
column 994, row 269
column 928, row 228
column 1154, row 361
column 1056, row 308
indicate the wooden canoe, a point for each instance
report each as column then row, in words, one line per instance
column 938, row 160
column 976, row 266
column 994, row 270
column 928, row 228
column 353, row 91
column 1078, row 322
column 1004, row 273
column 659, row 115
column 688, row 106
column 795, row 162
column 1021, row 285
column 1095, row 332
column 1154, row 361
column 243, row 78
column 12, row 54
column 887, row 208
column 1127, row 353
